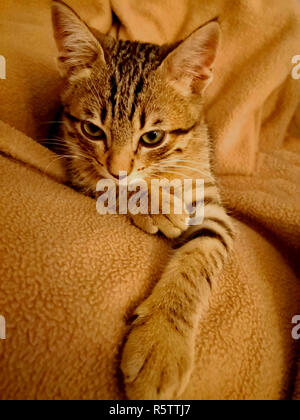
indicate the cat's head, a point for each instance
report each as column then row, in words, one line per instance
column 130, row 106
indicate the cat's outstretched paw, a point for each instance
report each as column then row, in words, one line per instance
column 157, row 359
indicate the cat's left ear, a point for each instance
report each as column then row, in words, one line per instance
column 189, row 67
column 77, row 45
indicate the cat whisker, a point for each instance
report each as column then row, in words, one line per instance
column 168, row 169
column 63, row 157
column 64, row 145
column 67, row 150
column 162, row 171
column 55, row 143
column 53, row 122
column 168, row 164
column 202, row 173
column 190, row 161
column 54, row 139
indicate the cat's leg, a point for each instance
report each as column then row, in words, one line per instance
column 159, row 353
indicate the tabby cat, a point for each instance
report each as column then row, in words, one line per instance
column 138, row 107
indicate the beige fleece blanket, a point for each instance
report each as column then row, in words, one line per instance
column 69, row 278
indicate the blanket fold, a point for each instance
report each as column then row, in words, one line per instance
column 70, row 278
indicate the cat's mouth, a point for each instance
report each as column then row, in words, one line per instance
column 123, row 179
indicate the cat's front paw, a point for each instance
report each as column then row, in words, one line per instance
column 172, row 226
column 172, row 220
column 157, row 359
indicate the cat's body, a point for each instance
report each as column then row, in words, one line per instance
column 138, row 108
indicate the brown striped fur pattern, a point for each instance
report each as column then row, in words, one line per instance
column 127, row 89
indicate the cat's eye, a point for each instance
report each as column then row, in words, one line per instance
column 92, row 131
column 153, row 138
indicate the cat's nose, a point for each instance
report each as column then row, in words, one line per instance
column 120, row 175
column 119, row 163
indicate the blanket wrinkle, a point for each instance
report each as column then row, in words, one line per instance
column 70, row 278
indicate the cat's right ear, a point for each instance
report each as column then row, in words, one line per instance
column 189, row 67
column 77, row 45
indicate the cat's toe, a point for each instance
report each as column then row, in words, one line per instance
column 145, row 223
column 167, row 227
column 172, row 226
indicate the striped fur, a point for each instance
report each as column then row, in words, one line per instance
column 128, row 89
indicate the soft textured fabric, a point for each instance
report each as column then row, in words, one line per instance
column 71, row 278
